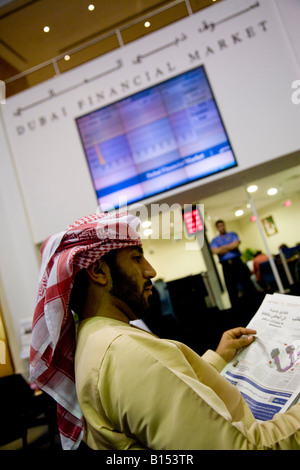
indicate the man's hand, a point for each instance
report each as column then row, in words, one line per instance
column 233, row 340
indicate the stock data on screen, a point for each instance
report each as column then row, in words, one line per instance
column 155, row 140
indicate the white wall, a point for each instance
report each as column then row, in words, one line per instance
column 289, row 13
column 19, row 262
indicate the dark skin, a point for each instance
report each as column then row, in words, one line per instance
column 233, row 340
column 106, row 299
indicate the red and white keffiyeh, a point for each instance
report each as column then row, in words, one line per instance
column 53, row 329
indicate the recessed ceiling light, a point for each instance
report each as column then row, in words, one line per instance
column 252, row 188
column 148, row 232
column 91, row 7
column 67, row 57
column 46, row 29
column 147, row 24
column 239, row 212
column 146, row 224
column 272, row 191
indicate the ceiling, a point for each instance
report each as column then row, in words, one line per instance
column 75, row 31
column 85, row 34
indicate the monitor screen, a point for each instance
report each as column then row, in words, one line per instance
column 158, row 139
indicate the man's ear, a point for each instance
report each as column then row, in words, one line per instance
column 98, row 272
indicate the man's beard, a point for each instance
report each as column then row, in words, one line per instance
column 125, row 288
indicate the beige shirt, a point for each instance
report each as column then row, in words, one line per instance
column 137, row 391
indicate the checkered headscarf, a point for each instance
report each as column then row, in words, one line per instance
column 53, row 329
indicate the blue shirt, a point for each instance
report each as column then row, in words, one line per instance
column 225, row 239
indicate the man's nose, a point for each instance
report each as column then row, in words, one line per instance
column 149, row 271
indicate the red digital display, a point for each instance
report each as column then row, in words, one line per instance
column 193, row 221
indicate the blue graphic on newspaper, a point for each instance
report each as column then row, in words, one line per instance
column 261, row 411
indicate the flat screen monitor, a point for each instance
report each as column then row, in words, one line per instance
column 158, row 139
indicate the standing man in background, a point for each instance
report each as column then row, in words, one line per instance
column 236, row 273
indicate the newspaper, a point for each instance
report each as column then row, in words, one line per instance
column 267, row 373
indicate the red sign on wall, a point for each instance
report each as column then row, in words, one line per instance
column 193, row 221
